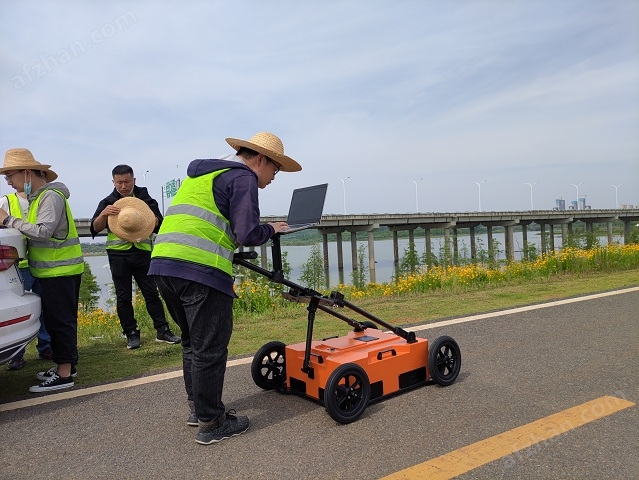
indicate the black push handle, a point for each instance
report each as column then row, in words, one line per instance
column 381, row 354
column 245, row 255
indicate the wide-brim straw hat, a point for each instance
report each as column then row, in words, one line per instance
column 22, row 159
column 269, row 145
column 134, row 223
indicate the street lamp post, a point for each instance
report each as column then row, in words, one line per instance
column 616, row 187
column 531, row 194
column 479, row 191
column 145, row 177
column 577, row 187
column 416, row 197
column 344, row 190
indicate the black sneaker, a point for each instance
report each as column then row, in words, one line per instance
column 43, row 376
column 192, row 420
column 231, row 426
column 168, row 337
column 55, row 382
column 133, row 340
column 16, row 363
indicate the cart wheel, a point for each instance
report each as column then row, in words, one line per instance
column 269, row 366
column 444, row 360
column 347, row 393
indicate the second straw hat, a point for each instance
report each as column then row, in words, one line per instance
column 134, row 223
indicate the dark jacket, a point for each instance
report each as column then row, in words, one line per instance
column 236, row 195
column 138, row 192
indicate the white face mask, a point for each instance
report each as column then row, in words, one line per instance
column 27, row 185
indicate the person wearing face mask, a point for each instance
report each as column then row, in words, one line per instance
column 130, row 260
column 215, row 210
column 55, row 259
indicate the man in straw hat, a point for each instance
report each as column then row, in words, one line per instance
column 215, row 211
column 131, row 216
column 55, row 259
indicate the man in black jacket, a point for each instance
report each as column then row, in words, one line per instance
column 130, row 259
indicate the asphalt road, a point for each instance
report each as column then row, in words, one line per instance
column 516, row 368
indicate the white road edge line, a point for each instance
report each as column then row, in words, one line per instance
column 243, row 361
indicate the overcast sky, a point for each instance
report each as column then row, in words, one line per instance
column 396, row 104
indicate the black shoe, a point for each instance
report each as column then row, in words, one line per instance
column 43, row 376
column 46, row 354
column 55, row 382
column 16, row 363
column 218, row 430
column 192, row 420
column 168, row 337
column 133, row 339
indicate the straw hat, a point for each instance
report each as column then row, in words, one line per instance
column 22, row 159
column 135, row 222
column 269, row 145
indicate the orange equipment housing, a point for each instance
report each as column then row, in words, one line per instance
column 346, row 373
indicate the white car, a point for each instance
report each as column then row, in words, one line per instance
column 19, row 310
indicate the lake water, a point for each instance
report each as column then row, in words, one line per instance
column 384, row 268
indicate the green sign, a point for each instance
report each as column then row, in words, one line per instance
column 171, row 188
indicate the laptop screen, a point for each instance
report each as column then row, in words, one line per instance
column 307, row 205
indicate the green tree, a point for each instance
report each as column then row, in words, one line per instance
column 89, row 290
column 360, row 276
column 313, row 270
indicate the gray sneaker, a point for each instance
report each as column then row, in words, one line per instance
column 133, row 339
column 218, row 430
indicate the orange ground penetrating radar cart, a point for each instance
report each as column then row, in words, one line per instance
column 347, row 373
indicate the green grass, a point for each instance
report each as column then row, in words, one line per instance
column 107, row 359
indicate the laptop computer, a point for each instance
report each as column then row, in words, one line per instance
column 307, row 205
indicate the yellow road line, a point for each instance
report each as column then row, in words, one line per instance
column 472, row 456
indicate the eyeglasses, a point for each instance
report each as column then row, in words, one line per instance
column 8, row 177
column 278, row 167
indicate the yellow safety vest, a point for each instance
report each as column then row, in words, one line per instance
column 15, row 210
column 194, row 230
column 55, row 257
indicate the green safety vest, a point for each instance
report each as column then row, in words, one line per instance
column 16, row 211
column 194, row 230
column 54, row 257
column 116, row 243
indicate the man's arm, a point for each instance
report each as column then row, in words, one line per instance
column 100, row 217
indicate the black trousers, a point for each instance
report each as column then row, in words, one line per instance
column 125, row 268
column 60, row 296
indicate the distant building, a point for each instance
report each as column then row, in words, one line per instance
column 582, row 203
column 573, row 205
column 625, row 206
column 560, row 204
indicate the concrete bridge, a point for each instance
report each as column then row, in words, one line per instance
column 451, row 223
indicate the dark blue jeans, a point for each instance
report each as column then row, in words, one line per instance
column 33, row 285
column 205, row 316
column 124, row 268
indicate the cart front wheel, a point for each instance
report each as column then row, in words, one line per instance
column 444, row 360
column 268, row 368
column 347, row 393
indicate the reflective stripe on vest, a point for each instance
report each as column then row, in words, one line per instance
column 52, row 257
column 15, row 210
column 116, row 243
column 194, row 230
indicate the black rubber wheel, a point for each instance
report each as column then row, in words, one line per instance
column 268, row 368
column 444, row 360
column 347, row 393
